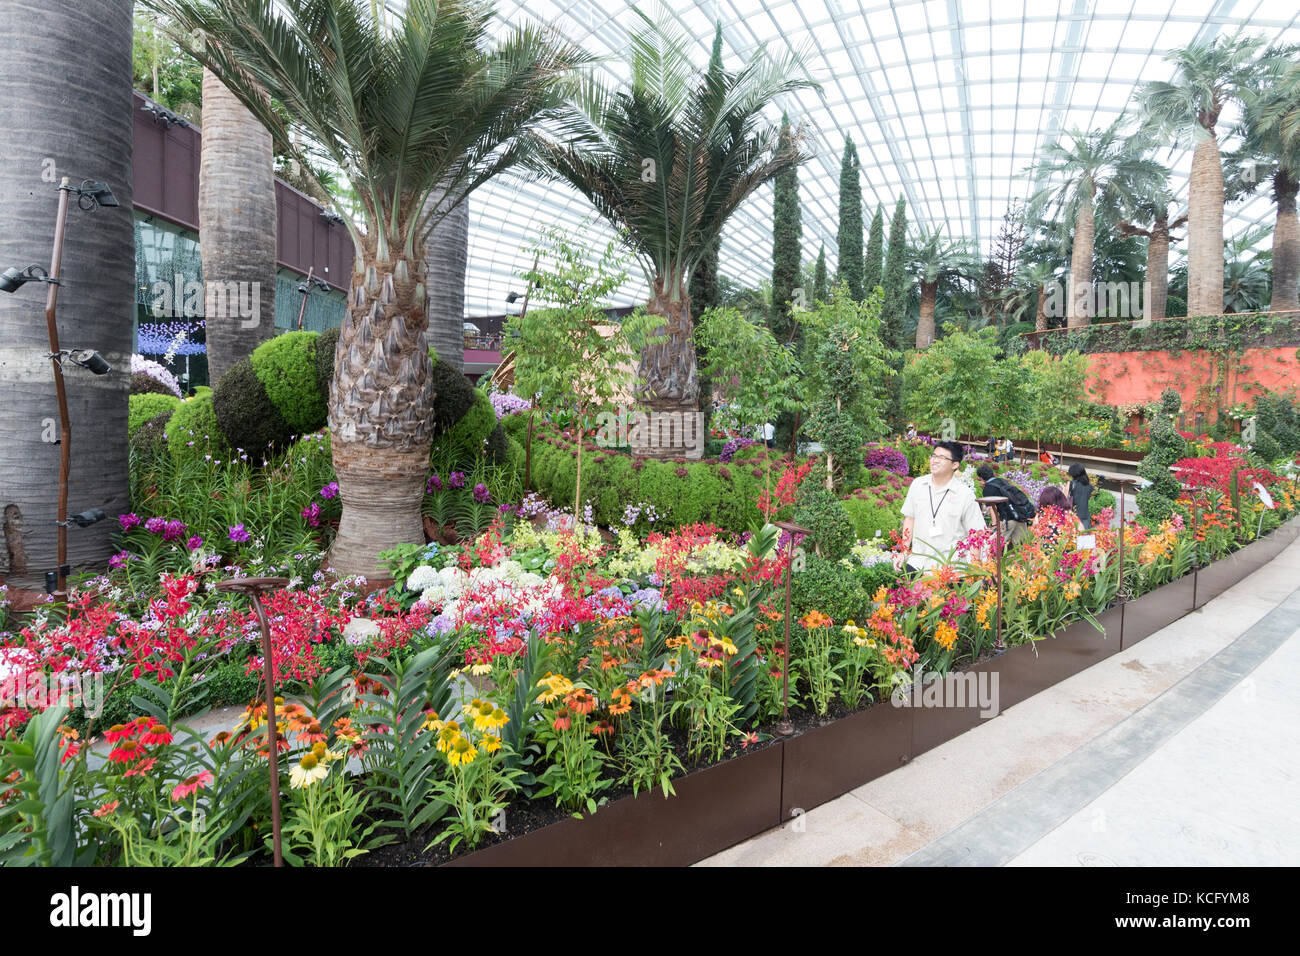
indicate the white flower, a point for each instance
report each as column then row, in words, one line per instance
column 421, row 578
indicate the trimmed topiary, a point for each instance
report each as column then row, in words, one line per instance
column 465, row 439
column 286, row 366
column 245, row 413
column 453, row 396
column 150, row 440
column 326, row 346
column 193, row 431
column 142, row 384
column 141, row 408
column 824, row 515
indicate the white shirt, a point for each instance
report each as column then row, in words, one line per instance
column 941, row 518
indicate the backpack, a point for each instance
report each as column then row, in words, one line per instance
column 1018, row 503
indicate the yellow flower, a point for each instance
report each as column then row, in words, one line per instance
column 556, row 687
column 725, row 643
column 461, row 751
column 447, row 735
column 306, row 772
column 490, row 743
column 431, row 722
column 479, row 670
column 945, row 635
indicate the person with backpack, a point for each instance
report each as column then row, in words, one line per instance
column 1080, row 492
column 1016, row 512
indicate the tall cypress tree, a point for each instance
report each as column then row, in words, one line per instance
column 895, row 282
column 821, row 284
column 849, row 236
column 873, row 267
column 786, row 253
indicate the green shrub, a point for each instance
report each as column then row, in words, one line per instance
column 245, row 413
column 146, row 406
column 453, row 396
column 831, row 588
column 1153, row 506
column 142, row 384
column 150, row 440
column 1267, row 447
column 193, row 432
column 465, row 440
column 1099, row 501
column 287, row 369
column 818, row 510
column 870, row 515
column 325, row 348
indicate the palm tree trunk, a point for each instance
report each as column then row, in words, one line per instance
column 380, row 409
column 1205, row 231
column 65, row 104
column 1286, row 246
column 1158, row 270
column 1079, row 307
column 672, row 384
column 1040, row 317
column 925, row 322
column 237, row 222
column 445, row 255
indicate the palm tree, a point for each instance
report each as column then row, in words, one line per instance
column 65, row 104
column 402, row 104
column 1246, row 271
column 237, row 223
column 1208, row 75
column 1269, row 154
column 1032, row 286
column 666, row 161
column 933, row 258
column 1153, row 208
column 1099, row 169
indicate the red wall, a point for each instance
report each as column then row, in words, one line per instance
column 1205, row 380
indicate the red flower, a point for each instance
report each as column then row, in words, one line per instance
column 156, row 735
column 106, row 809
column 141, row 768
column 191, row 785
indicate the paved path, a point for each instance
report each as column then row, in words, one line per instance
column 1179, row 751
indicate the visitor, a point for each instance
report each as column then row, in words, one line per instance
column 1047, row 458
column 911, row 432
column 769, row 433
column 937, row 512
column 1054, row 507
column 1006, row 449
column 1080, row 492
column 991, row 448
column 1016, row 512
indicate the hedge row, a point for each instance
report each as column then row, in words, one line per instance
column 682, row 492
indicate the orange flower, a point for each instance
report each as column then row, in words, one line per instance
column 312, row 733
column 620, row 701
column 814, row 619
column 602, row 728
column 562, row 721
column 106, row 809
column 581, row 701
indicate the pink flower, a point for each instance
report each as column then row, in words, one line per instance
column 191, row 785
column 155, row 525
column 312, row 514
column 194, row 543
column 238, row 534
column 128, row 521
column 330, row 491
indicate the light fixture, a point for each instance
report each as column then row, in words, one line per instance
column 86, row 518
column 331, row 217
column 512, row 297
column 92, row 360
column 11, row 279
column 91, row 194
column 165, row 116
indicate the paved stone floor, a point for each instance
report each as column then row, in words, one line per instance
column 1181, row 750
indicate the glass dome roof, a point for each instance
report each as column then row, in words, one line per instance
column 948, row 102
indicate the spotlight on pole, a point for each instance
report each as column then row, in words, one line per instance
column 86, row 518
column 90, row 359
column 12, row 279
column 95, row 194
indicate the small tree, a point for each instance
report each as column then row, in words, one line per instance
column 572, row 355
column 1057, row 389
column 845, row 362
column 745, row 359
column 953, row 380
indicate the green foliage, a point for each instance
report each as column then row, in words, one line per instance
column 195, row 421
column 873, row 270
column 144, row 407
column 871, row 515
column 1171, row 403
column 1100, row 501
column 288, row 370
column 465, row 439
column 245, row 413
column 848, row 239
column 818, row 510
column 41, row 828
column 1055, row 387
column 895, row 281
column 787, row 255
column 326, row 345
column 821, row 284
column 830, row 587
column 1153, row 506
column 960, row 378
column 148, row 443
column 453, row 396
column 745, row 353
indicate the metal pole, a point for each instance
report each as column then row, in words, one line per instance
column 65, row 422
column 306, row 291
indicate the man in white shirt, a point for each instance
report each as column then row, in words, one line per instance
column 938, row 512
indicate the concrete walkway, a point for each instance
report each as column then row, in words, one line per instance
column 1179, row 751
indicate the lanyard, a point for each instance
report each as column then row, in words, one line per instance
column 934, row 511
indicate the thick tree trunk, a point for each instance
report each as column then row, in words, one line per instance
column 1205, row 231
column 1286, row 247
column 237, row 223
column 1040, row 316
column 1080, row 304
column 925, row 322
column 1158, row 270
column 671, row 387
column 65, row 107
column 380, row 410
column 445, row 255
